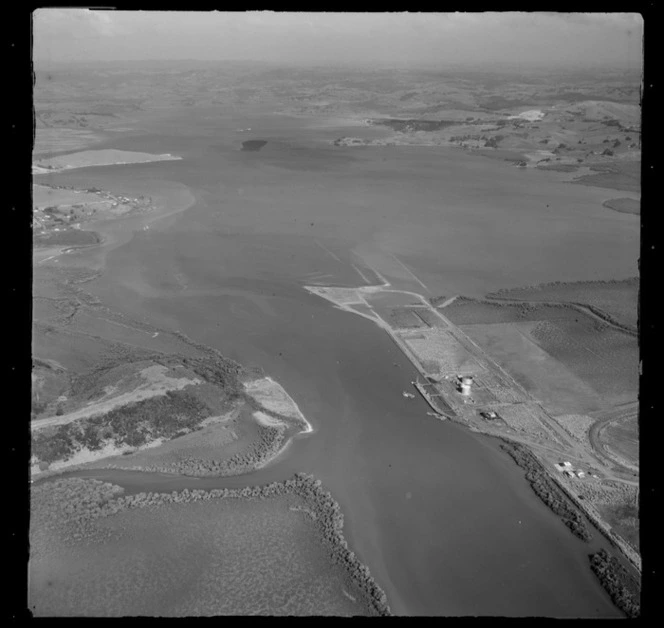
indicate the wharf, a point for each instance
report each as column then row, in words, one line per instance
column 431, row 401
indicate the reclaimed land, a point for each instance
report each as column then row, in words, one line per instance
column 547, row 489
column 276, row 549
column 624, row 590
column 601, row 354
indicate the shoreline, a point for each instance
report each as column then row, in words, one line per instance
column 275, row 399
column 353, row 296
column 111, row 233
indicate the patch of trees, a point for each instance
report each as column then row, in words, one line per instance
column 404, row 126
column 134, row 425
column 59, row 445
column 253, row 145
column 616, row 580
column 219, row 371
column 492, row 142
column 548, row 490
column 268, row 444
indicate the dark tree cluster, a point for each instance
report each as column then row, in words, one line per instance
column 623, row 589
column 134, row 425
column 547, row 490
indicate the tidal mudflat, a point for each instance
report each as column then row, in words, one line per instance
column 276, row 549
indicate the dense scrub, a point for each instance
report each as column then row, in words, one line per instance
column 216, row 370
column 623, row 589
column 132, row 425
column 547, row 489
column 70, row 504
column 219, row 371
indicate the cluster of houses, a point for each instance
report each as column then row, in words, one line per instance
column 58, row 218
column 566, row 469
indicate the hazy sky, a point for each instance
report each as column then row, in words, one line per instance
column 396, row 39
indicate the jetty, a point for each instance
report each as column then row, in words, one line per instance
column 430, row 399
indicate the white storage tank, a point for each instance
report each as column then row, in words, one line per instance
column 466, row 383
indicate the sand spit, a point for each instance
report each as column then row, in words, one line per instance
column 272, row 396
column 623, row 205
column 267, row 420
column 73, row 515
column 85, row 455
column 90, row 158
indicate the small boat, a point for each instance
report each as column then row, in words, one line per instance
column 408, row 395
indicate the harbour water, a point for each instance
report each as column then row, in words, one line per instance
column 443, row 519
